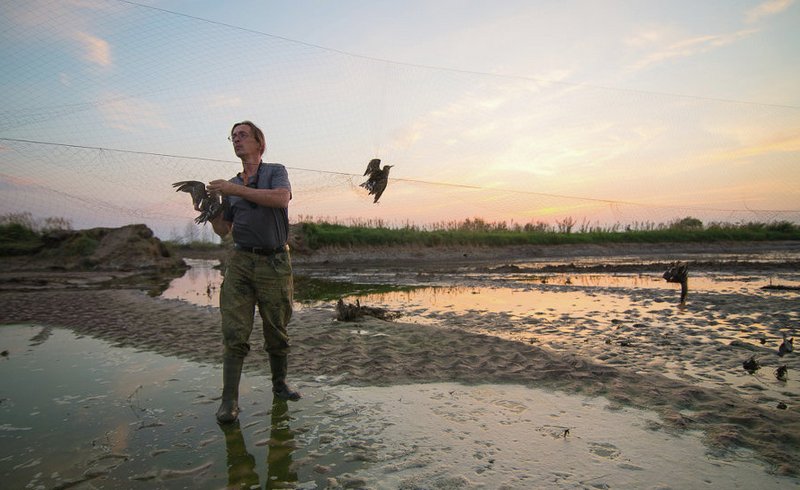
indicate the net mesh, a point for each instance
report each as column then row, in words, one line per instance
column 105, row 104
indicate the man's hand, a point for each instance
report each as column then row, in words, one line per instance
column 220, row 187
column 216, row 188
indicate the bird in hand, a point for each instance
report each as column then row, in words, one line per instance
column 209, row 206
column 378, row 178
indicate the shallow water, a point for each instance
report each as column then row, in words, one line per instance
column 200, row 284
column 625, row 320
column 77, row 412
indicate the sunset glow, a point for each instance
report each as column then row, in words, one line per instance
column 509, row 111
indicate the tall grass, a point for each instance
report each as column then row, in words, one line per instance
column 20, row 234
column 476, row 231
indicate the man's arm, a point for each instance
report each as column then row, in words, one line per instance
column 270, row 198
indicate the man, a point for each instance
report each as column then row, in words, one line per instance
column 259, row 271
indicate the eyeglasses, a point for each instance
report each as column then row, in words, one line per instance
column 240, row 135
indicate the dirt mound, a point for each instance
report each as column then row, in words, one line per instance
column 129, row 248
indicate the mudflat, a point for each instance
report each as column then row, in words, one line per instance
column 629, row 357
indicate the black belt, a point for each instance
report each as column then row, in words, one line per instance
column 261, row 250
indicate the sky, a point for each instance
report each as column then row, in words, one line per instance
column 522, row 111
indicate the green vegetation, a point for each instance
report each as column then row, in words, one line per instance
column 20, row 234
column 182, row 247
column 16, row 239
column 479, row 232
column 81, row 245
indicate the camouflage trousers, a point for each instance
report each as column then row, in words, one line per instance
column 252, row 280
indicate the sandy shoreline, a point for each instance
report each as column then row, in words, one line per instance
column 377, row 353
column 381, row 353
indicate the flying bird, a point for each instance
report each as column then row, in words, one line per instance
column 679, row 273
column 208, row 205
column 378, row 178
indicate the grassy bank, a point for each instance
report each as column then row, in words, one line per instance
column 317, row 235
column 19, row 237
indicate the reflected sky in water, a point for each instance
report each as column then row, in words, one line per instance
column 76, row 410
column 513, row 293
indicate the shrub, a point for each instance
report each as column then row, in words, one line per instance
column 81, row 245
column 18, row 239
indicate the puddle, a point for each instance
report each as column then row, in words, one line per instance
column 76, row 409
column 200, row 286
column 79, row 412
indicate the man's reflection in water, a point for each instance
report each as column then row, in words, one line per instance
column 241, row 464
column 281, row 446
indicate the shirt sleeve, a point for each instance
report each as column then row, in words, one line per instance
column 280, row 179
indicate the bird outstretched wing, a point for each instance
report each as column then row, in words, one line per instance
column 373, row 166
column 209, row 206
column 196, row 189
column 377, row 180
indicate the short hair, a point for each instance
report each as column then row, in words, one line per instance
column 256, row 132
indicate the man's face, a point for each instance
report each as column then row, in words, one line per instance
column 244, row 142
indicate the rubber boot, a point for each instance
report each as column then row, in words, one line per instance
column 279, row 365
column 231, row 374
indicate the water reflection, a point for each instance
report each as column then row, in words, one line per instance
column 280, row 447
column 199, row 285
column 516, row 294
column 76, row 412
column 241, row 464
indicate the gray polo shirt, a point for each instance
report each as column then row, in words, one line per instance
column 259, row 226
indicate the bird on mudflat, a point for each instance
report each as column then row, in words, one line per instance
column 208, row 205
column 786, row 346
column 378, row 178
column 678, row 272
column 751, row 365
column 782, row 373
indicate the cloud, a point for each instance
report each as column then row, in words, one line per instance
column 225, row 101
column 96, row 50
column 763, row 145
column 74, row 19
column 130, row 114
column 8, row 181
column 692, row 46
column 767, row 9
column 648, row 36
column 657, row 38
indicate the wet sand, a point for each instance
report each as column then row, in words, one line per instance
column 629, row 358
column 95, row 416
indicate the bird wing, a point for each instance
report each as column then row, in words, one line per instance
column 196, row 189
column 369, row 185
column 374, row 165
